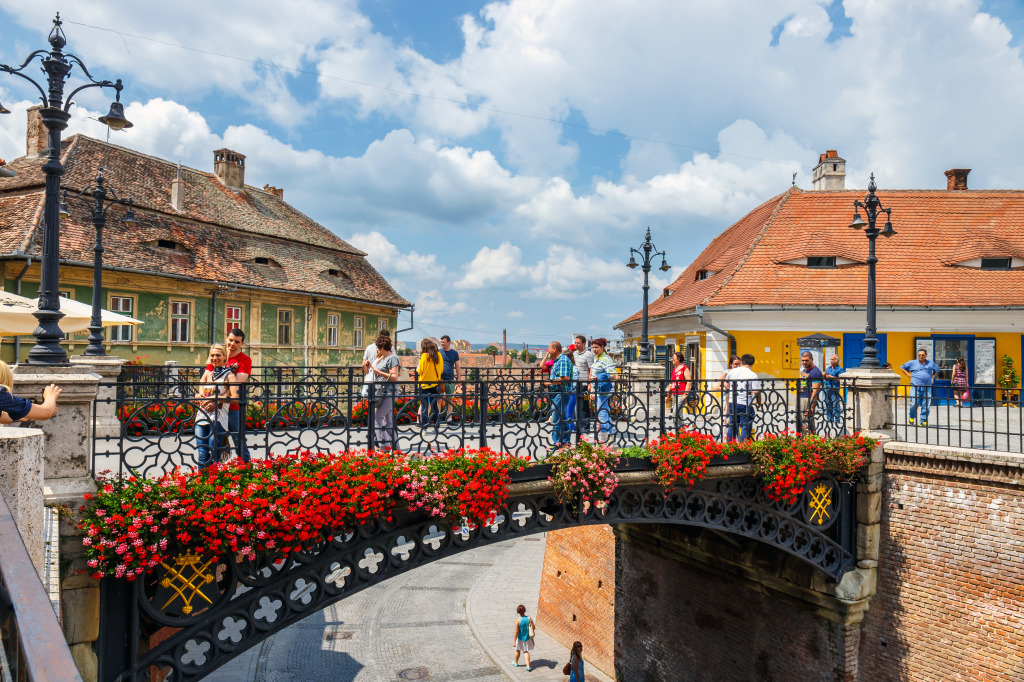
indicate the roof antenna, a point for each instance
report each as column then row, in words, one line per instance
column 794, row 179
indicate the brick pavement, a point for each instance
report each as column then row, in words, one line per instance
column 451, row 620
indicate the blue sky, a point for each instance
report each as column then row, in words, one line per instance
column 497, row 160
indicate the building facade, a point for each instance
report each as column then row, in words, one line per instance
column 209, row 253
column 950, row 281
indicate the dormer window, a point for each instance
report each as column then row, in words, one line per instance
column 996, row 263
column 667, row 292
column 167, row 244
column 821, row 261
column 264, row 260
column 704, row 274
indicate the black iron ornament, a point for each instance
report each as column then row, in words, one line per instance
column 57, row 65
column 647, row 251
column 872, row 207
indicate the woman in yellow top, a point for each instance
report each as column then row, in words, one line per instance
column 428, row 377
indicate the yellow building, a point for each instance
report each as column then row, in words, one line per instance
column 950, row 281
column 209, row 253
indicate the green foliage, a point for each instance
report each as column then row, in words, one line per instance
column 1009, row 377
column 491, row 350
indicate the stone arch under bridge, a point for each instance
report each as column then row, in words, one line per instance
column 196, row 614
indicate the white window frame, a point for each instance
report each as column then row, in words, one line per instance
column 332, row 329
column 382, row 324
column 287, row 326
column 173, row 328
column 231, row 323
column 117, row 331
column 358, row 325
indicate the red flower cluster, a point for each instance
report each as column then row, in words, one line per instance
column 788, row 463
column 279, row 505
column 683, row 457
column 462, row 484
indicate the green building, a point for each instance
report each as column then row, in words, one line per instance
column 208, row 254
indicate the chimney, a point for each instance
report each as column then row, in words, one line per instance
column 37, row 136
column 830, row 173
column 956, row 179
column 177, row 192
column 229, row 166
column 276, row 191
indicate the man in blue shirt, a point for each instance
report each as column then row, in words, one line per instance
column 833, row 396
column 450, row 373
column 921, row 372
column 808, row 388
column 560, row 382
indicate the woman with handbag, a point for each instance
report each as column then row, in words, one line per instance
column 680, row 386
column 386, row 370
column 959, row 382
column 428, row 378
column 525, row 631
column 574, row 668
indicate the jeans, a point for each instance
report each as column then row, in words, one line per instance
column 429, row 405
column 604, row 406
column 208, row 443
column 833, row 404
column 240, row 446
column 570, row 412
column 559, row 431
column 922, row 398
column 741, row 418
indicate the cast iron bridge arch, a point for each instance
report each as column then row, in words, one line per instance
column 222, row 607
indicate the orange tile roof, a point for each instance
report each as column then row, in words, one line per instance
column 935, row 230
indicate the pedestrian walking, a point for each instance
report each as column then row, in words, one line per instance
column 428, row 378
column 808, row 388
column 525, row 631
column 574, row 668
column 833, row 397
column 744, row 390
column 386, row 369
column 216, row 392
column 601, row 379
column 16, row 409
column 922, row 373
column 959, row 382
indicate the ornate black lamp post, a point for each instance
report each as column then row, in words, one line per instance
column 57, row 65
column 96, row 196
column 646, row 252
column 873, row 208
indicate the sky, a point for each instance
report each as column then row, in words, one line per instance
column 496, row 161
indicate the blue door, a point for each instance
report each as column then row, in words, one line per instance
column 853, row 349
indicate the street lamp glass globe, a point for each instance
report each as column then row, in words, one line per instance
column 857, row 223
column 887, row 231
column 115, row 119
column 632, row 263
column 665, row 267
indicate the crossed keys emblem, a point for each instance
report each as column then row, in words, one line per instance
column 819, row 502
column 186, row 587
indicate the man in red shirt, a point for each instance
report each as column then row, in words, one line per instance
column 242, row 367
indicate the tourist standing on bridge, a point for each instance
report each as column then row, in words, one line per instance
column 218, row 390
column 241, row 366
column 744, row 390
column 15, row 409
column 450, row 375
column 601, row 377
column 559, row 382
column 921, row 372
column 525, row 630
column 584, row 359
column 428, row 376
column 385, row 369
column 833, row 397
column 808, row 388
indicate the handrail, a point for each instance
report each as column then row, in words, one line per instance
column 35, row 645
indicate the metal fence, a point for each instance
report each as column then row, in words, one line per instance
column 965, row 417
column 516, row 413
column 32, row 646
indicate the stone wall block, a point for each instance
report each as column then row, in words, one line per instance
column 869, row 508
column 21, row 484
column 108, row 368
column 857, row 585
column 867, row 540
column 80, row 609
column 85, row 659
column 643, row 376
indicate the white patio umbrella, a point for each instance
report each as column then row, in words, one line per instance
column 16, row 316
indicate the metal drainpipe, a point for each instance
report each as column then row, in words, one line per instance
column 412, row 312
column 213, row 317
column 17, row 290
column 732, row 339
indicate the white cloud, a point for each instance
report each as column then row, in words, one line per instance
column 386, row 257
column 433, row 306
column 515, row 313
column 493, row 267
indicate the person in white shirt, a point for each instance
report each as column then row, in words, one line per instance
column 370, row 357
column 743, row 392
column 584, row 360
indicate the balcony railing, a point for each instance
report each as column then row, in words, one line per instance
column 982, row 417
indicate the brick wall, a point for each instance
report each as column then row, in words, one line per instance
column 678, row 620
column 577, row 592
column 950, row 600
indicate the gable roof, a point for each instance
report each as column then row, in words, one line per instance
column 221, row 230
column 936, row 229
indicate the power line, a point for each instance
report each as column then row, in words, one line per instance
column 437, row 98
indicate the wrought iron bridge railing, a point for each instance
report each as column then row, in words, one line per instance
column 517, row 413
column 32, row 646
column 983, row 417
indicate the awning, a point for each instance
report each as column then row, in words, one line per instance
column 16, row 318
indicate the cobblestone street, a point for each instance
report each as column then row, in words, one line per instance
column 451, row 620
